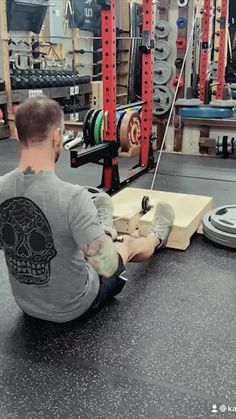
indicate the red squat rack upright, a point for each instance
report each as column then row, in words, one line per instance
column 204, row 55
column 109, row 82
column 222, row 49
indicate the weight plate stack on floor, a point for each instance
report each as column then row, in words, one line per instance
column 119, row 117
column 130, row 131
column 219, row 226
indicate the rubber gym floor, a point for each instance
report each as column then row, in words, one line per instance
column 164, row 348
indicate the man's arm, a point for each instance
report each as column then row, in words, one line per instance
column 98, row 248
column 102, row 255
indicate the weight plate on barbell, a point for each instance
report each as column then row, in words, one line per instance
column 119, row 116
column 162, row 29
column 162, row 100
column 97, row 128
column 86, row 132
column 162, row 50
column 130, row 130
column 92, row 121
column 162, row 72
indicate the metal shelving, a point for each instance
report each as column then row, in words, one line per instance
column 52, row 92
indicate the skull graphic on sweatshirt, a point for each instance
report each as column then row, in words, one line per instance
column 26, row 239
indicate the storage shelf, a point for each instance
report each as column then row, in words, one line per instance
column 77, row 116
column 210, row 122
column 52, row 92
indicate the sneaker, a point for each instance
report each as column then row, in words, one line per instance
column 105, row 210
column 162, row 223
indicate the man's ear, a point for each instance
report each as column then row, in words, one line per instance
column 57, row 137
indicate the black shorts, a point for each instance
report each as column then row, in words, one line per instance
column 110, row 287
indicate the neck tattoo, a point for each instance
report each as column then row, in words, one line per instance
column 29, row 171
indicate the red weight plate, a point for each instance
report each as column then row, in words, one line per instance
column 180, row 43
column 175, row 81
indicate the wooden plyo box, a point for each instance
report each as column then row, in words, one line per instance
column 189, row 212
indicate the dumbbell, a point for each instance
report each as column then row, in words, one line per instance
column 77, row 78
column 34, row 80
column 64, row 81
column 19, row 80
column 71, row 78
column 87, row 79
column 28, row 81
column 37, row 75
column 52, row 79
column 48, row 80
column 84, row 80
column 67, row 109
column 16, row 82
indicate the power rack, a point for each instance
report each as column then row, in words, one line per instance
column 108, row 151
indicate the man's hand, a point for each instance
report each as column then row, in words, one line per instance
column 102, row 255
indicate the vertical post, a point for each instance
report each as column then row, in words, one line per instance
column 5, row 61
column 222, row 49
column 109, row 82
column 204, row 55
column 147, row 80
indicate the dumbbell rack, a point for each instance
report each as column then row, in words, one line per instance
column 108, row 151
column 66, row 92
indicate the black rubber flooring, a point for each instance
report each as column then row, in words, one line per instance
column 164, row 349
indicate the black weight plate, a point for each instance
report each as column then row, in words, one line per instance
column 92, row 121
column 179, row 63
column 86, row 132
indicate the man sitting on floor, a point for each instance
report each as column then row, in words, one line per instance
column 58, row 245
